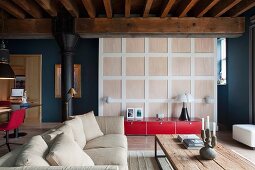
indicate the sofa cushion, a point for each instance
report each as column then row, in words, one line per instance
column 90, row 126
column 108, row 141
column 66, row 152
column 78, row 132
column 51, row 135
column 108, row 127
column 33, row 153
column 108, row 156
column 9, row 159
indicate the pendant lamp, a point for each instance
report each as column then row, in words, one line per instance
column 6, row 71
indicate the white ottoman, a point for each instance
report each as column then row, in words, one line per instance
column 244, row 133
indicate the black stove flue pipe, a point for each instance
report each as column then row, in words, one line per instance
column 63, row 29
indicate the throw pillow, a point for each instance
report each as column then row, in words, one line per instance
column 90, row 126
column 78, row 132
column 49, row 137
column 33, row 153
column 66, row 152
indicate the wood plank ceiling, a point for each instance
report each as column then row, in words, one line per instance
column 90, row 13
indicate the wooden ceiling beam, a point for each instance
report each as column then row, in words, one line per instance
column 12, row 9
column 108, row 8
column 90, row 8
column 104, row 27
column 185, row 8
column 150, row 26
column 127, row 8
column 30, row 7
column 203, row 7
column 167, row 8
column 49, row 6
column 27, row 27
column 222, row 7
column 147, row 8
column 71, row 7
column 240, row 8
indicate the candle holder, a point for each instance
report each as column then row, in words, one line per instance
column 207, row 152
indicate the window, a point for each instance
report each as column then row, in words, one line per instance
column 222, row 61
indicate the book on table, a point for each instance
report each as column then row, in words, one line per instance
column 193, row 143
column 187, row 136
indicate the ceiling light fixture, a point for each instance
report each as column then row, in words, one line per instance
column 6, row 71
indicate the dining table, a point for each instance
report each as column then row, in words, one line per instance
column 13, row 107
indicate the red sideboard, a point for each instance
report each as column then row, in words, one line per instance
column 152, row 126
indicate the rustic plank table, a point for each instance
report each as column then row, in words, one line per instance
column 182, row 158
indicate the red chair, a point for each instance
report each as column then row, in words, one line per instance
column 5, row 103
column 16, row 119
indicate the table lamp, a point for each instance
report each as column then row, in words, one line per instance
column 184, row 98
column 72, row 93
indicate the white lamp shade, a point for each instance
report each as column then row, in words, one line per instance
column 187, row 98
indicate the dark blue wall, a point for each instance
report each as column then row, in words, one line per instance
column 233, row 99
column 87, row 56
column 222, row 104
column 238, row 78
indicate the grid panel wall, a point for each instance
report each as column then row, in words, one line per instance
column 151, row 72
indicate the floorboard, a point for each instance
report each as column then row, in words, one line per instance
column 134, row 142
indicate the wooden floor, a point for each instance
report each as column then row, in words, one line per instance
column 134, row 142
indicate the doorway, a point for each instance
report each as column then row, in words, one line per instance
column 28, row 72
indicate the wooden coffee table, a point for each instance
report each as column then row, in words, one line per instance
column 182, row 158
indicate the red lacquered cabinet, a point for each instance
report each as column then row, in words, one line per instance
column 152, row 126
column 135, row 127
column 160, row 127
column 191, row 127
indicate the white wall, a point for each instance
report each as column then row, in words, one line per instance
column 150, row 72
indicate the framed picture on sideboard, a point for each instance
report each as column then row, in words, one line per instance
column 130, row 113
column 139, row 113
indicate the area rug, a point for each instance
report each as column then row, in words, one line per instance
column 145, row 160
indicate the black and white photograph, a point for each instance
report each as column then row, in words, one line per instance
column 130, row 113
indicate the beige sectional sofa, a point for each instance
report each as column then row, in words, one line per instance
column 107, row 148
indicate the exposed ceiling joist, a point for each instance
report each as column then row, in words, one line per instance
column 90, row 8
column 30, row 7
column 222, row 7
column 147, row 8
column 203, row 7
column 108, row 8
column 71, row 7
column 127, row 8
column 12, row 9
column 130, row 8
column 240, row 8
column 49, row 6
column 167, row 8
column 185, row 8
